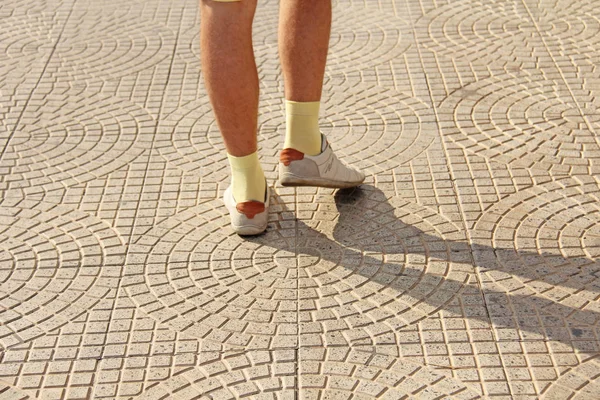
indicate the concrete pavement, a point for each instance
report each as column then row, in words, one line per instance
column 467, row 266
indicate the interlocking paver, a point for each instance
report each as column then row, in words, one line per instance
column 467, row 266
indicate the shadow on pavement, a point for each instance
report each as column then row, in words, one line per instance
column 362, row 249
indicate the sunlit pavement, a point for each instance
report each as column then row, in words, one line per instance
column 467, row 266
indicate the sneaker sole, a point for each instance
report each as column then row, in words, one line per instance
column 288, row 179
column 248, row 230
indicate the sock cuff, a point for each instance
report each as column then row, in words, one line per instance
column 306, row 108
column 245, row 162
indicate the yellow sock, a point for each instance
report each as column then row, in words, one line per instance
column 302, row 127
column 247, row 178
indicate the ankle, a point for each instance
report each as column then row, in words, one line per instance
column 302, row 127
column 247, row 178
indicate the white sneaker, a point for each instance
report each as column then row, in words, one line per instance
column 249, row 217
column 325, row 169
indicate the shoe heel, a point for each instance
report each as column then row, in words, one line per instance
column 287, row 179
column 299, row 173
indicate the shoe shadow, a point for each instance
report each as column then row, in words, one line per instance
column 365, row 258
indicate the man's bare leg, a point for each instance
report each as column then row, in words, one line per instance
column 229, row 71
column 231, row 80
column 304, row 30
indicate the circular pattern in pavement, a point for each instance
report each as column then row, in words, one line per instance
column 571, row 30
column 26, row 42
column 256, row 374
column 479, row 32
column 369, row 127
column 554, row 229
column 342, row 373
column 70, row 138
column 55, row 264
column 23, row 37
column 349, row 374
column 523, row 120
column 575, row 24
column 109, row 46
column 367, row 259
column 383, row 262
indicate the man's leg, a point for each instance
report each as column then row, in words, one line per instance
column 231, row 80
column 304, row 29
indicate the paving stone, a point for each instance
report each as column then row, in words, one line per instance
column 467, row 265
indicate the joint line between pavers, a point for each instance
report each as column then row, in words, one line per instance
column 150, row 153
column 26, row 105
column 450, row 170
